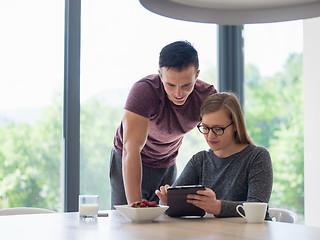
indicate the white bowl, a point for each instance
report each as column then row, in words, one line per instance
column 141, row 214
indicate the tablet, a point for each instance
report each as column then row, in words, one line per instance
column 177, row 201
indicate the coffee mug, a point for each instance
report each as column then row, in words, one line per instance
column 255, row 212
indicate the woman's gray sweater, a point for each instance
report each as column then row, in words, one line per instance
column 242, row 177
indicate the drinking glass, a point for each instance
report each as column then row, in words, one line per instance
column 88, row 207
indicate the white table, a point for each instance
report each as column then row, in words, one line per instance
column 67, row 226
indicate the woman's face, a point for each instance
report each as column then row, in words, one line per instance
column 224, row 143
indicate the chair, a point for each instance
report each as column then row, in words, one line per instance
column 282, row 215
column 23, row 210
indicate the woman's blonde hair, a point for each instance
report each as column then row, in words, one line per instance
column 229, row 102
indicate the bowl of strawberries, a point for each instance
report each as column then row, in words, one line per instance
column 142, row 211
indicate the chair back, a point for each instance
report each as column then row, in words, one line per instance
column 283, row 215
column 23, row 210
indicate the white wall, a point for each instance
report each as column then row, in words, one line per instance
column 311, row 62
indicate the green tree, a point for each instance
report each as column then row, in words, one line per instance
column 30, row 154
column 274, row 115
column 262, row 106
column 99, row 122
column 287, row 148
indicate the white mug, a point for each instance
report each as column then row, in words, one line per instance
column 255, row 212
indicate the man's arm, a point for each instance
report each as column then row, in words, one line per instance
column 135, row 132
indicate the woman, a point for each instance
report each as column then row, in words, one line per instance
column 234, row 170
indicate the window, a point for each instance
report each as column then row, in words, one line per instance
column 121, row 42
column 31, row 74
column 274, row 105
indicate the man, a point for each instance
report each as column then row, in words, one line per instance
column 160, row 109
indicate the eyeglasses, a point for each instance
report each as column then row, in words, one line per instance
column 216, row 130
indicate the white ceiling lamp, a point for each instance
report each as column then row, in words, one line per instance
column 234, row 12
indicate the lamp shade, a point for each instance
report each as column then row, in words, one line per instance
column 234, row 12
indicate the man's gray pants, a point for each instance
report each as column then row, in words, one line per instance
column 152, row 179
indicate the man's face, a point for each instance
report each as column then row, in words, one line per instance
column 178, row 84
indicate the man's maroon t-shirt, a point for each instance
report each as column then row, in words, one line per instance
column 168, row 123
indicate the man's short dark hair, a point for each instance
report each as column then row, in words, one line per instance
column 179, row 55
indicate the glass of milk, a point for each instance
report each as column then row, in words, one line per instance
column 88, row 207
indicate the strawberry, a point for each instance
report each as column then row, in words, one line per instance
column 145, row 202
column 143, row 205
column 134, row 205
column 152, row 204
